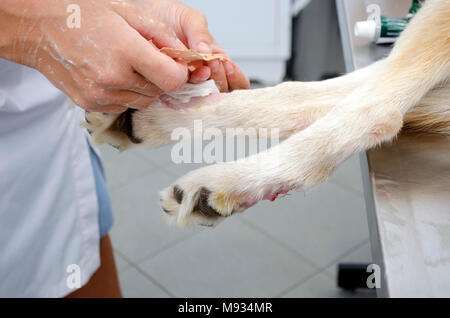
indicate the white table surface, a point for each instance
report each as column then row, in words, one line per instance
column 407, row 187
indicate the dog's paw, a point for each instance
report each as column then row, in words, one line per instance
column 97, row 123
column 208, row 195
column 113, row 129
column 204, row 197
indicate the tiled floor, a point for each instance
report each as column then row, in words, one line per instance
column 287, row 248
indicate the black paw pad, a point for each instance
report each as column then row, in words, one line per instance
column 124, row 124
column 202, row 204
column 178, row 194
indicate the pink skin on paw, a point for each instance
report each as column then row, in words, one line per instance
column 271, row 196
column 275, row 196
column 247, row 203
column 197, row 101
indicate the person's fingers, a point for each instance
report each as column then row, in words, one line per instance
column 113, row 109
column 137, row 83
column 218, row 75
column 156, row 67
column 200, row 75
column 195, row 28
column 126, row 98
column 148, row 26
column 236, row 78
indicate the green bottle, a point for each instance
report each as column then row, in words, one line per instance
column 389, row 29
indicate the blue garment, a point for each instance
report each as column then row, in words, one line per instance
column 105, row 215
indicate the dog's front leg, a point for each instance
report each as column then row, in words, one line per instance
column 290, row 107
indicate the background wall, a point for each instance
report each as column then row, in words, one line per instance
column 317, row 43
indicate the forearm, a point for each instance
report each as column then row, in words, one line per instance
column 19, row 26
column 8, row 27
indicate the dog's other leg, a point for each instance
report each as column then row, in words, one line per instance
column 370, row 115
column 431, row 114
column 289, row 107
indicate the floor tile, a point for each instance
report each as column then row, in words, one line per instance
column 183, row 168
column 361, row 254
column 231, row 260
column 158, row 156
column 136, row 285
column 162, row 156
column 348, row 174
column 179, row 170
column 107, row 152
column 321, row 224
column 121, row 167
column 322, row 286
column 139, row 230
column 121, row 263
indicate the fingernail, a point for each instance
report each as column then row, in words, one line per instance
column 202, row 47
column 214, row 65
column 229, row 68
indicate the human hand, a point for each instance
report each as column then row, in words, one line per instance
column 111, row 63
column 191, row 28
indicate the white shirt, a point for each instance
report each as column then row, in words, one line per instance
column 48, row 203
